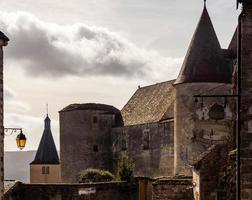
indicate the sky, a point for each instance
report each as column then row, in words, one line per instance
column 100, row 51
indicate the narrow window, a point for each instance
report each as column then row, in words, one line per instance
column 45, row 170
column 95, row 119
column 124, row 144
column 146, row 139
column 95, row 148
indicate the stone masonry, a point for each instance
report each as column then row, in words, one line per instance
column 246, row 102
column 3, row 42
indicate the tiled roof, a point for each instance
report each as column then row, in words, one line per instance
column 204, row 61
column 150, row 104
column 233, row 44
column 46, row 153
column 9, row 184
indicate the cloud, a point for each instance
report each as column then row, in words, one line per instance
column 51, row 50
column 9, row 94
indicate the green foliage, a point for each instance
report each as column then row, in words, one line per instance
column 95, row 175
column 125, row 168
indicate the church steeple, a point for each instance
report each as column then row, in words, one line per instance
column 204, row 61
column 46, row 153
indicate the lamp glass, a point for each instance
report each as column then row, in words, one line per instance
column 21, row 140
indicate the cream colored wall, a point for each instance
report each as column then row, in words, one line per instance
column 187, row 122
column 36, row 175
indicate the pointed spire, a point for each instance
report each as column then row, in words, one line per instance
column 204, row 61
column 47, row 152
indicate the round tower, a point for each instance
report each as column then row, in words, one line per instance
column 205, row 71
column 85, row 138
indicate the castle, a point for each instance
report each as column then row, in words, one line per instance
column 161, row 127
column 171, row 129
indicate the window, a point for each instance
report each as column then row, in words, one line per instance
column 95, row 148
column 124, row 144
column 124, row 141
column 95, row 119
column 146, row 139
column 45, row 170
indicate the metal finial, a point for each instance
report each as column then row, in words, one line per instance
column 47, row 109
column 205, row 3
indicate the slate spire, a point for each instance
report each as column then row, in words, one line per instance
column 46, row 153
column 204, row 61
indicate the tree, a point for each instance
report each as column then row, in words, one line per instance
column 125, row 168
column 95, row 175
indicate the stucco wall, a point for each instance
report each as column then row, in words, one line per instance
column 36, row 175
column 194, row 130
column 158, row 159
column 78, row 136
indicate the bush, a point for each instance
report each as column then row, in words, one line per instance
column 125, row 168
column 95, row 175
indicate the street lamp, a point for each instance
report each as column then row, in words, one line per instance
column 20, row 139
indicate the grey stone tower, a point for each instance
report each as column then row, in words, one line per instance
column 85, row 138
column 204, row 71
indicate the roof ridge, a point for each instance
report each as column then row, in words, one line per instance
column 159, row 83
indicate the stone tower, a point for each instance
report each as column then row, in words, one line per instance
column 45, row 168
column 204, row 71
column 85, row 138
column 3, row 42
column 245, row 57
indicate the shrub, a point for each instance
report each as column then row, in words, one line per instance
column 95, row 175
column 125, row 168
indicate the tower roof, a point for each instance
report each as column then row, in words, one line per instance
column 46, row 153
column 3, row 36
column 233, row 44
column 204, row 61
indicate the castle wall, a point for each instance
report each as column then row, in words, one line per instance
column 97, row 191
column 194, row 130
column 45, row 174
column 85, row 142
column 155, row 160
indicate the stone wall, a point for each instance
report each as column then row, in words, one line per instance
column 150, row 146
column 208, row 173
column 85, row 140
column 194, row 130
column 1, row 126
column 246, row 102
column 172, row 189
column 98, row 191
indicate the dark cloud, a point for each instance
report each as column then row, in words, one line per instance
column 44, row 49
